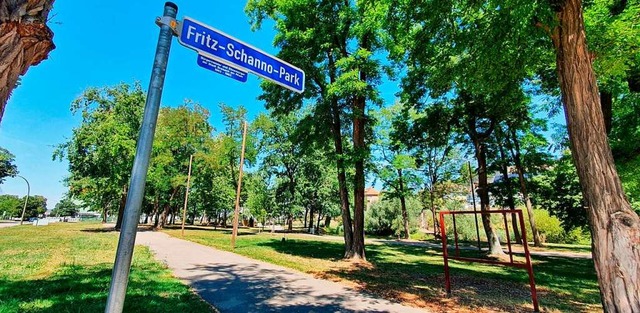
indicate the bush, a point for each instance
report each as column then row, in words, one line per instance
column 384, row 218
column 578, row 236
column 551, row 229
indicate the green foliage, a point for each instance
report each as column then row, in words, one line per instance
column 10, row 205
column 384, row 218
column 36, row 206
column 549, row 226
column 553, row 231
column 101, row 150
column 630, row 175
column 8, row 167
column 558, row 191
column 66, row 207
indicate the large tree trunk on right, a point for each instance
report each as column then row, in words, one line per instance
column 615, row 227
column 25, row 40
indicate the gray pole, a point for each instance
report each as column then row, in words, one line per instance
column 473, row 196
column 124, row 253
column 24, row 209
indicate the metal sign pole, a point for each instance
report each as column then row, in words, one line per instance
column 124, row 253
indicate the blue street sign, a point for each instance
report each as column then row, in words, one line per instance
column 222, row 69
column 235, row 53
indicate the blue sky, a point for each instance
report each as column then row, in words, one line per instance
column 102, row 43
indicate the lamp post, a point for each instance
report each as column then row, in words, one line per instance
column 26, row 199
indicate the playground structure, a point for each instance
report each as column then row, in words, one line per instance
column 527, row 265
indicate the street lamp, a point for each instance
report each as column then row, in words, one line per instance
column 26, row 199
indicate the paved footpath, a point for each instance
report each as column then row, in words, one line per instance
column 4, row 224
column 233, row 283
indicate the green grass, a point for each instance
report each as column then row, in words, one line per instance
column 414, row 275
column 67, row 268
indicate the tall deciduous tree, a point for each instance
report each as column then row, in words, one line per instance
column 101, row 150
column 182, row 132
column 614, row 225
column 25, row 40
column 334, row 42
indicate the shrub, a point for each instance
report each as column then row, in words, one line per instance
column 384, row 218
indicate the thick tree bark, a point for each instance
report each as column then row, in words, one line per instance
column 25, row 40
column 515, row 152
column 615, row 227
column 403, row 206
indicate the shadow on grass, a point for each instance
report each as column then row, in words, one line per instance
column 413, row 273
column 141, row 228
column 78, row 289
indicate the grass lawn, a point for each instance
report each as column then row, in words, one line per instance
column 414, row 275
column 67, row 268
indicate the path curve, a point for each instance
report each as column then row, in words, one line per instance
column 233, row 283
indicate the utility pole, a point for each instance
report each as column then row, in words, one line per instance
column 186, row 195
column 237, row 210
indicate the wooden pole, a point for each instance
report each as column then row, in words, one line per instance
column 237, row 210
column 186, row 195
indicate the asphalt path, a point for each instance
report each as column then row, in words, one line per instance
column 233, row 283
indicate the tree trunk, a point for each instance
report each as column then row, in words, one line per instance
column 403, row 206
column 156, row 206
column 485, row 206
column 318, row 221
column 327, row 221
column 165, row 212
column 537, row 240
column 25, row 40
column 289, row 222
column 359, row 148
column 123, row 201
column 510, row 200
column 615, row 227
column 436, row 229
column 104, row 215
column 306, row 214
column 342, row 181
